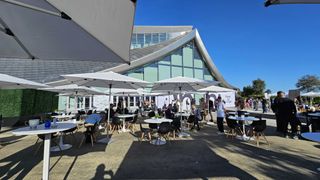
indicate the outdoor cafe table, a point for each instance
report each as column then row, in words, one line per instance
column 314, row 136
column 314, row 114
column 157, row 121
column 123, row 118
column 234, row 113
column 41, row 130
column 185, row 115
column 244, row 119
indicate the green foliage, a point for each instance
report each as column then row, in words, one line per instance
column 15, row 103
column 247, row 91
column 268, row 91
column 258, row 86
column 308, row 83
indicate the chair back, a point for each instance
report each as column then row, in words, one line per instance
column 116, row 121
column 164, row 128
column 230, row 123
column 135, row 119
column 176, row 123
column 153, row 126
column 151, row 114
column 260, row 125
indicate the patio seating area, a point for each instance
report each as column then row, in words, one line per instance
column 203, row 155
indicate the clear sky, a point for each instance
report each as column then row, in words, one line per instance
column 246, row 41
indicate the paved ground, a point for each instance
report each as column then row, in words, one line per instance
column 205, row 155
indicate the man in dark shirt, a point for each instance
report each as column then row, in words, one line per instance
column 286, row 111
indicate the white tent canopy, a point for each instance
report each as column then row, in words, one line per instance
column 98, row 30
column 11, row 82
column 274, row 2
column 311, row 94
column 214, row 88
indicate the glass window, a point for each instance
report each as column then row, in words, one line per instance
column 176, row 71
column 155, row 38
column 187, row 57
column 164, row 72
column 151, row 73
column 140, row 39
column 138, row 101
column 147, row 39
column 188, row 72
column 166, row 60
column 131, row 101
column 198, row 73
column 198, row 63
column 136, row 75
column 176, row 58
column 134, row 38
column 163, row 37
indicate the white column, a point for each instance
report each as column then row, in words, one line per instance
column 46, row 157
column 68, row 104
column 90, row 102
column 83, row 105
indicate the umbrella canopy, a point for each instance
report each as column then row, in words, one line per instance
column 68, row 30
column 216, row 89
column 106, row 79
column 74, row 90
column 11, row 82
column 178, row 84
column 311, row 94
column 273, row 2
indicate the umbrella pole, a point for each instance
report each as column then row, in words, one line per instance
column 107, row 140
column 181, row 134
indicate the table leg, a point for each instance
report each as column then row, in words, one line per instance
column 46, row 157
column 182, row 133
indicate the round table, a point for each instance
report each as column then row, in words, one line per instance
column 314, row 114
column 314, row 136
column 123, row 117
column 234, row 113
column 183, row 114
column 158, row 121
column 47, row 141
column 244, row 119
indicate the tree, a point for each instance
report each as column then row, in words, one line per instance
column 247, row 91
column 258, row 86
column 308, row 83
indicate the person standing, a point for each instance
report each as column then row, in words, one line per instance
column 220, row 115
column 287, row 111
column 264, row 105
column 274, row 107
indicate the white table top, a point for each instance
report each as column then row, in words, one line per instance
column 63, row 116
column 125, row 115
column 182, row 114
column 157, row 120
column 62, row 126
column 249, row 118
column 233, row 113
column 314, row 114
column 314, row 136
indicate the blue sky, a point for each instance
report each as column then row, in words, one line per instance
column 278, row 44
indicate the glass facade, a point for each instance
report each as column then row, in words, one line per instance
column 141, row 40
column 185, row 61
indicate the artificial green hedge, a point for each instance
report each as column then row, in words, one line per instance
column 16, row 103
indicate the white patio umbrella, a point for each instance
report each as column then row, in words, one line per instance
column 180, row 84
column 74, row 90
column 97, row 30
column 274, row 2
column 108, row 80
column 311, row 94
column 11, row 82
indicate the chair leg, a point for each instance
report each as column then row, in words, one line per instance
column 149, row 135
column 38, row 148
column 262, row 134
column 81, row 141
column 91, row 137
column 257, row 136
column 142, row 136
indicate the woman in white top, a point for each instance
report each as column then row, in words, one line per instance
column 220, row 115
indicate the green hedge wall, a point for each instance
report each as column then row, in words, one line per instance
column 16, row 103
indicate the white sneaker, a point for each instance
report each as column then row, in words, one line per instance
column 220, row 133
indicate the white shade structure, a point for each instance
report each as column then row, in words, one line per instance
column 74, row 89
column 11, row 82
column 311, row 94
column 107, row 80
column 274, row 2
column 216, row 89
column 178, row 84
column 97, row 30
